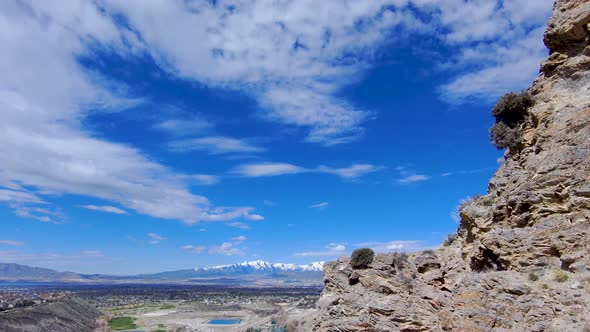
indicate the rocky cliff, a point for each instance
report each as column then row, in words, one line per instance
column 67, row 315
column 521, row 258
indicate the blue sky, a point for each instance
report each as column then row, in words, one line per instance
column 158, row 135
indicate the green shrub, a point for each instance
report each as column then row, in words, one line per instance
column 561, row 276
column 361, row 258
column 511, row 112
column 533, row 276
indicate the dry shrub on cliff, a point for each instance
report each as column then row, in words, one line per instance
column 361, row 258
column 511, row 112
column 450, row 239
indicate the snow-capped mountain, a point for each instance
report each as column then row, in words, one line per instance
column 261, row 266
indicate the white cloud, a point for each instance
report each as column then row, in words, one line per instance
column 184, row 127
column 269, row 203
column 155, row 238
column 351, row 172
column 11, row 243
column 407, row 245
column 43, row 100
column 267, row 169
column 291, row 56
column 18, row 197
column 294, row 56
column 106, row 208
column 332, row 249
column 237, row 224
column 215, row 145
column 413, row 178
column 194, row 249
column 226, row 249
column 254, row 217
column 240, row 238
column 320, row 205
column 276, row 169
column 201, row 179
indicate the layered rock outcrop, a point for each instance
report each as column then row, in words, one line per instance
column 67, row 315
column 521, row 259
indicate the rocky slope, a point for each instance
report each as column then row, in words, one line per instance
column 66, row 315
column 521, row 260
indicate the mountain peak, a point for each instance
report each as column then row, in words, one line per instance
column 260, row 265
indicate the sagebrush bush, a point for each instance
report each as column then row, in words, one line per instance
column 511, row 112
column 561, row 276
column 533, row 276
column 502, row 136
column 450, row 239
column 512, row 108
column 362, row 258
column 400, row 259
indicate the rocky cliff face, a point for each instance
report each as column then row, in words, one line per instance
column 521, row 260
column 68, row 315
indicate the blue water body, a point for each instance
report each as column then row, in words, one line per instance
column 224, row 321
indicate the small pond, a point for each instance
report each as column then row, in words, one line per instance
column 224, row 321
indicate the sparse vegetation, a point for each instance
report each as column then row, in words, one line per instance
column 450, row 239
column 545, row 286
column 511, row 112
column 167, row 307
column 533, row 276
column 122, row 323
column 400, row 259
column 561, row 276
column 362, row 258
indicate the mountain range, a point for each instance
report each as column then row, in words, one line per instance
column 254, row 273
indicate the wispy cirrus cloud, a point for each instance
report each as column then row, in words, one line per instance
column 238, row 224
column 215, row 145
column 277, row 169
column 413, row 178
column 11, row 243
column 229, row 248
column 188, row 126
column 105, row 208
column 320, row 205
column 404, row 245
column 332, row 250
column 267, row 169
column 155, row 238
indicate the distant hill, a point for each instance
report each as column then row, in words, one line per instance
column 253, row 273
column 16, row 272
column 62, row 316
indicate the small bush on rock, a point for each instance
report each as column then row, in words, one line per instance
column 450, row 239
column 505, row 137
column 512, row 108
column 561, row 276
column 533, row 276
column 511, row 112
column 400, row 260
column 361, row 258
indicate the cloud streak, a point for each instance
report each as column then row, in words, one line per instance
column 105, row 208
column 332, row 250
column 277, row 169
